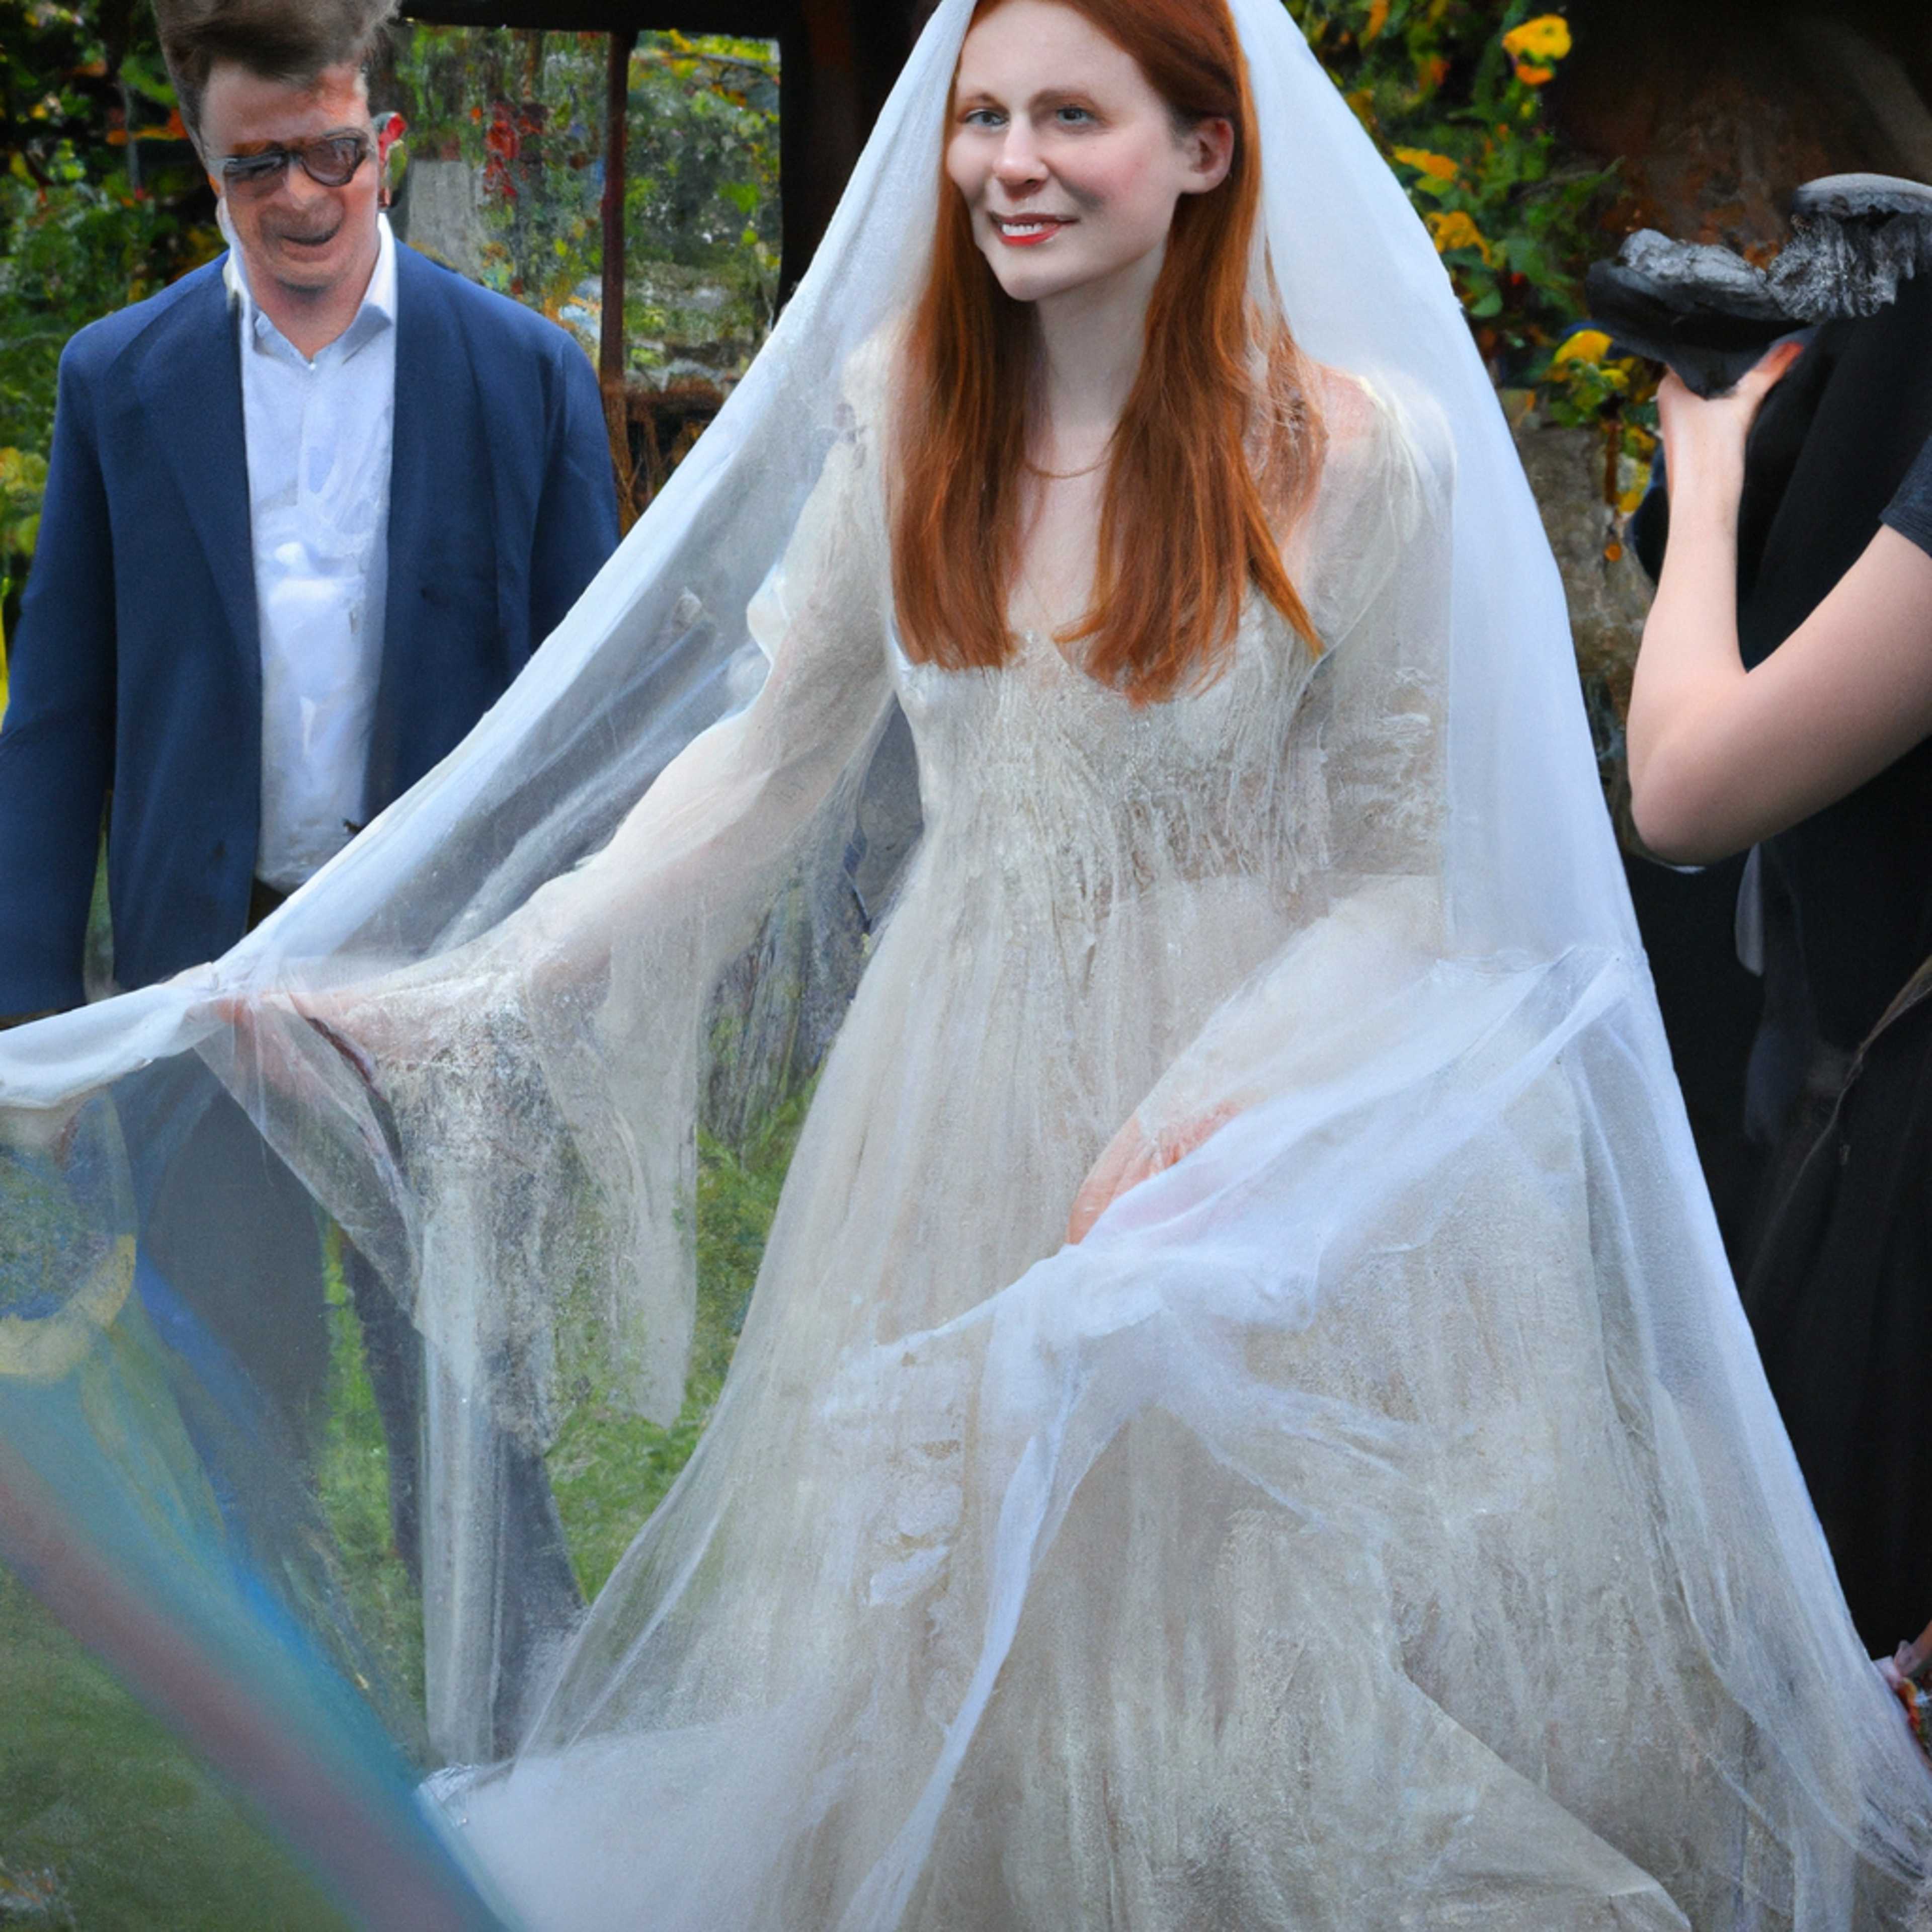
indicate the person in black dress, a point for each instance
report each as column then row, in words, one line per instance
column 1784, row 697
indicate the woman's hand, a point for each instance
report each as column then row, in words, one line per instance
column 1719, row 757
column 1705, row 436
column 1689, row 798
column 1130, row 1157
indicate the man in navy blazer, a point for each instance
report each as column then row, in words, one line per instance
column 308, row 513
column 136, row 670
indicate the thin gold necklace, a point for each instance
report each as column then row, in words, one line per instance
column 1068, row 475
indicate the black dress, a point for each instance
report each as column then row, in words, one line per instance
column 1841, row 1292
column 1832, row 457
column 1845, row 899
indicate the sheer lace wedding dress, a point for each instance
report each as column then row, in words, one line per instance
column 1019, row 1586
column 1332, row 1631
column 1378, row 1519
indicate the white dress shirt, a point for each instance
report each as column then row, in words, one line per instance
column 319, row 435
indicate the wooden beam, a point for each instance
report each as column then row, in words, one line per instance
column 610, row 358
column 760, row 19
column 616, row 144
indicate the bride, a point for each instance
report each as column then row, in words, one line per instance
column 1243, row 1421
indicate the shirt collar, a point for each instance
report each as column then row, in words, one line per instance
column 376, row 312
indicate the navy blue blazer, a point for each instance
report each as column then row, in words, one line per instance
column 136, row 668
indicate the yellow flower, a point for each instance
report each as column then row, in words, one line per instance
column 1438, row 167
column 1545, row 38
column 1456, row 231
column 1586, row 345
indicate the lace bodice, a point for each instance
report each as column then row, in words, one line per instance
column 1039, row 764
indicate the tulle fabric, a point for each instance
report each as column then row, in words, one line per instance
column 1379, row 1518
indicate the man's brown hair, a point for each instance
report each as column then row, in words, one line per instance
column 292, row 41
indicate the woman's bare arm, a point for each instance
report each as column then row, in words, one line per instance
column 1719, row 757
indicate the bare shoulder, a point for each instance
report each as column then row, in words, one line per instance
column 1386, row 467
column 1348, row 406
column 873, row 370
column 1397, row 435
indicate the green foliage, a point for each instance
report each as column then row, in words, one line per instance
column 701, row 191
column 23, row 478
column 77, row 249
column 1453, row 93
column 102, row 201
column 1463, row 125
column 1585, row 385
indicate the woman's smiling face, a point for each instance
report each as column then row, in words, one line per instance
column 1070, row 163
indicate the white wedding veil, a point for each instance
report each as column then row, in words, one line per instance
column 519, row 1167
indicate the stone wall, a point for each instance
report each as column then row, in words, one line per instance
column 1608, row 593
column 1713, row 110
column 440, row 211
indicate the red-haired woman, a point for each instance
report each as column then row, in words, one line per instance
column 1373, row 1515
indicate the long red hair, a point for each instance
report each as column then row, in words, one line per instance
column 1190, row 517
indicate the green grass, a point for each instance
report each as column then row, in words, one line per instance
column 352, row 1475
column 107, row 1822
column 609, row 1468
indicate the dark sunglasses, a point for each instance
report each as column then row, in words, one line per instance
column 330, row 162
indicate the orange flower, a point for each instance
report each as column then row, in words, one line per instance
column 1545, row 38
column 1582, row 345
column 1438, row 167
column 1535, row 45
column 1456, row 230
column 1378, row 12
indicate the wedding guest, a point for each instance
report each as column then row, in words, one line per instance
column 309, row 511
column 1823, row 735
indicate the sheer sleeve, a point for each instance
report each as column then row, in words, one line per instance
column 1366, row 749
column 700, row 849
column 618, row 959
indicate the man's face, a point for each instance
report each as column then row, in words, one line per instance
column 311, row 240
